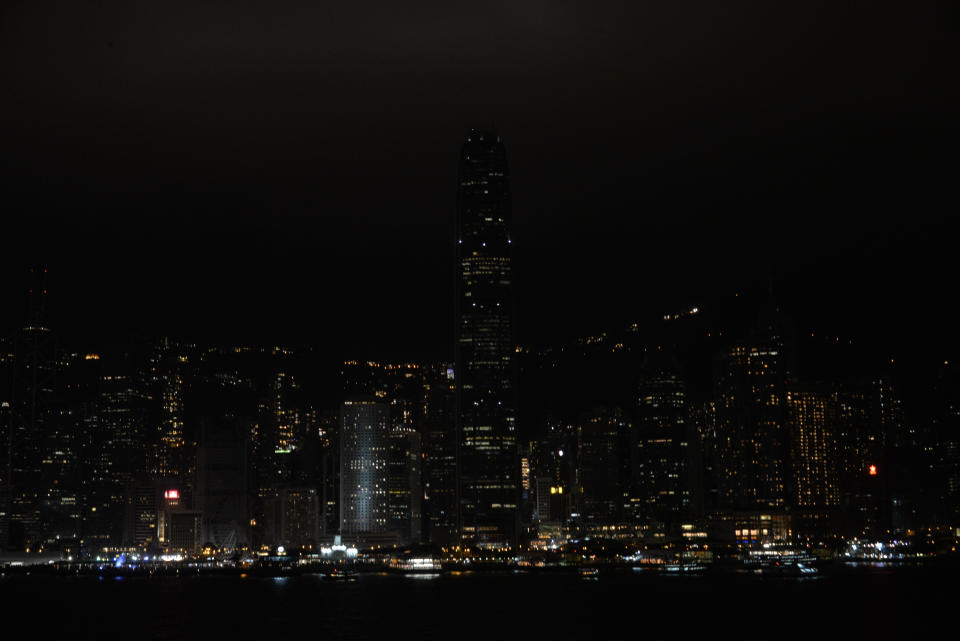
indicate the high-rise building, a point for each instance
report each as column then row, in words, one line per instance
column 751, row 430
column 405, row 491
column 328, row 466
column 364, row 467
column 184, row 531
column 299, row 516
column 114, row 454
column 401, row 388
column 440, row 454
column 662, row 450
column 598, row 465
column 222, row 483
column 810, row 416
column 37, row 446
column 486, row 404
column 165, row 376
column 814, row 484
column 277, row 432
column 862, row 432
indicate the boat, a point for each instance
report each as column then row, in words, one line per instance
column 589, row 574
column 782, row 562
column 339, row 574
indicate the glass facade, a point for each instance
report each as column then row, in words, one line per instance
column 364, row 472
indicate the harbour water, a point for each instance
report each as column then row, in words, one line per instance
column 865, row 603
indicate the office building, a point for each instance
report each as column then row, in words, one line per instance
column 364, row 467
column 486, row 403
column 662, row 450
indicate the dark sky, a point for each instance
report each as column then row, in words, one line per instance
column 286, row 171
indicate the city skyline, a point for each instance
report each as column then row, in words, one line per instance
column 478, row 320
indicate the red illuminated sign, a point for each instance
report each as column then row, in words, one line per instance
column 872, row 470
column 171, row 494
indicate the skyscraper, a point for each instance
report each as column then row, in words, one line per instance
column 598, row 465
column 814, row 488
column 440, row 454
column 364, row 466
column 751, row 427
column 486, row 406
column 37, row 448
column 662, row 449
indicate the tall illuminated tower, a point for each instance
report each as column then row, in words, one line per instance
column 486, row 405
column 364, row 466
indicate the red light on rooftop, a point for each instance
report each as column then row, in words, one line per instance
column 171, row 494
column 872, row 470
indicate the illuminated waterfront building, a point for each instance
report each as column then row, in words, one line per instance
column 814, row 484
column 364, row 466
column 486, row 404
column 401, row 388
column 165, row 376
column 280, row 425
column 810, row 416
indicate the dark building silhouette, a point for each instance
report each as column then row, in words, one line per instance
column 38, row 448
column 751, row 422
column 486, row 404
column 440, row 455
column 662, row 450
column 295, row 512
column 869, row 423
column 328, row 467
column 405, row 499
column 222, row 484
column 115, row 453
column 599, row 492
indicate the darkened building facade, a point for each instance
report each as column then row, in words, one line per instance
column 663, row 447
column 599, row 488
column 486, row 405
column 36, row 447
column 222, row 484
column 439, row 455
column 751, row 424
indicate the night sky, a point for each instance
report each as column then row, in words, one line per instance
column 286, row 171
